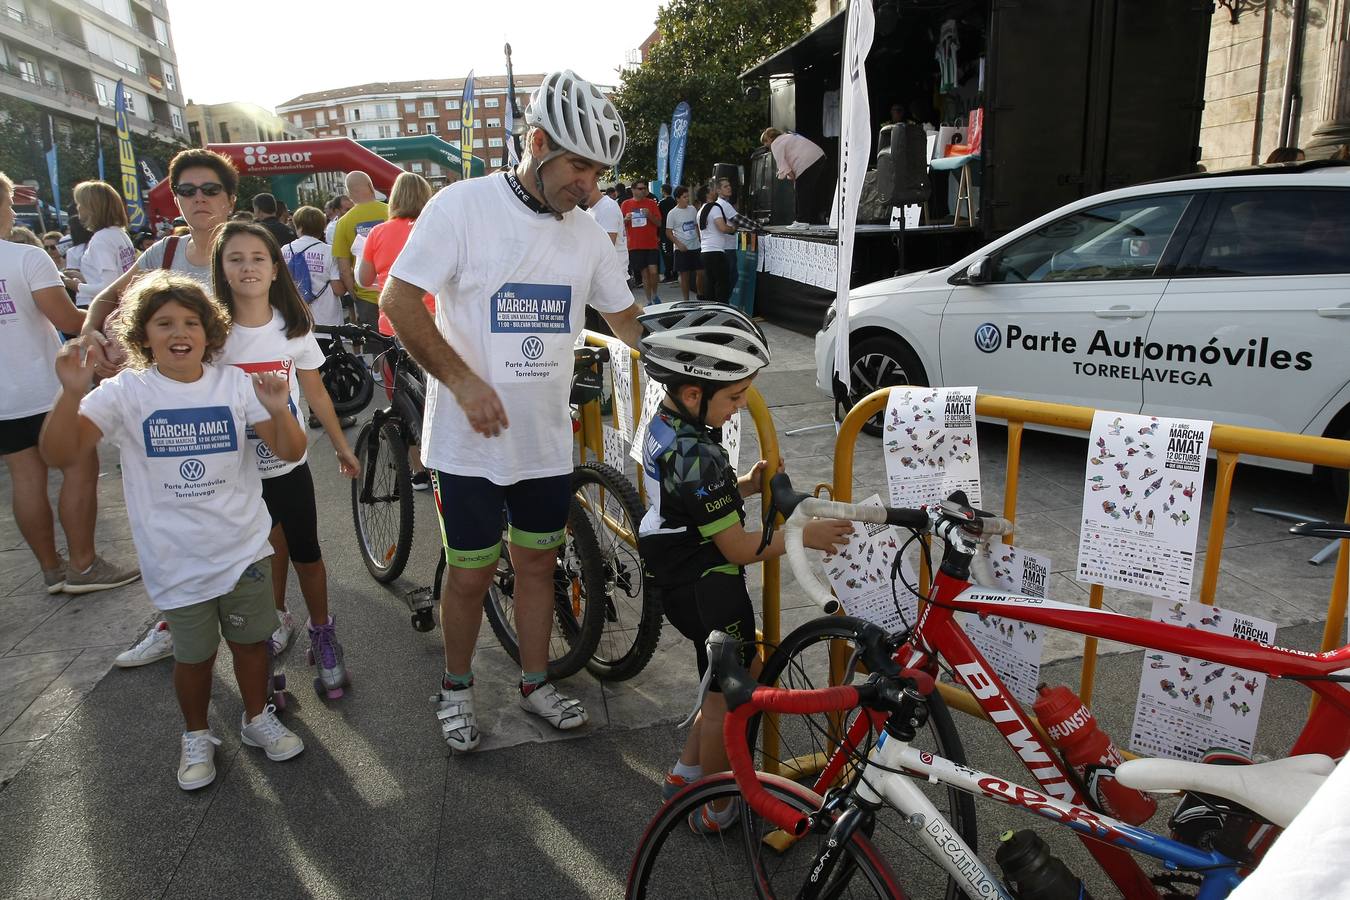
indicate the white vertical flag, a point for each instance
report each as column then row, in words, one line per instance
column 855, row 147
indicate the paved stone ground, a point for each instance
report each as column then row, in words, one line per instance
column 377, row 806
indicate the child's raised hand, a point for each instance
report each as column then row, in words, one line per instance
column 273, row 391
column 74, row 368
column 826, row 534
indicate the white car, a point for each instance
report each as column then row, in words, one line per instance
column 1225, row 297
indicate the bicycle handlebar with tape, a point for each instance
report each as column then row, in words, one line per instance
column 960, row 518
column 745, row 697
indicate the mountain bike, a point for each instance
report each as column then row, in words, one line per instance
column 827, row 839
column 383, row 510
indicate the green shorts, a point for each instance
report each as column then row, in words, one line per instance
column 246, row 615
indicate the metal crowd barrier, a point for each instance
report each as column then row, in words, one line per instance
column 1228, row 441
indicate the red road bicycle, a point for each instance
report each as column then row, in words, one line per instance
column 896, row 726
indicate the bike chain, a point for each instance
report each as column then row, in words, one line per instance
column 1172, row 882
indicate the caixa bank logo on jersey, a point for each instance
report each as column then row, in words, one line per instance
column 257, row 157
column 1134, row 358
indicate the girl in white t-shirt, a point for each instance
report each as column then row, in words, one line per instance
column 192, row 494
column 272, row 331
column 109, row 252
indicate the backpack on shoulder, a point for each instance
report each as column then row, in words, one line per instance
column 299, row 270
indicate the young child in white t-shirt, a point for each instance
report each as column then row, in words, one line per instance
column 190, row 480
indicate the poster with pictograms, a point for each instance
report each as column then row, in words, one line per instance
column 860, row 574
column 1142, row 493
column 930, row 445
column 1188, row 705
column 1013, row 648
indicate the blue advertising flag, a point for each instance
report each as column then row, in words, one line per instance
column 126, row 161
column 662, row 157
column 51, row 165
column 679, row 139
column 466, row 126
column 98, row 141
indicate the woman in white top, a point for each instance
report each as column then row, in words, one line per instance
column 109, row 252
column 32, row 301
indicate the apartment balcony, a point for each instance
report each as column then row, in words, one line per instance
column 52, row 96
column 71, row 49
column 111, row 23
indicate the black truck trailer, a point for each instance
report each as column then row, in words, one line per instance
column 1077, row 96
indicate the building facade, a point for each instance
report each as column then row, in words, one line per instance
column 406, row 108
column 66, row 56
column 237, row 123
column 1278, row 75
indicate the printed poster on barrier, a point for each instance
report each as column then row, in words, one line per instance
column 621, row 377
column 931, row 447
column 652, row 392
column 1013, row 648
column 1188, row 705
column 731, row 440
column 614, row 446
column 860, row 574
column 1141, row 503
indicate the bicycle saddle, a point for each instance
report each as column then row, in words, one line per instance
column 1276, row 790
column 1330, row 530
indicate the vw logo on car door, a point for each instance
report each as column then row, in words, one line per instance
column 988, row 338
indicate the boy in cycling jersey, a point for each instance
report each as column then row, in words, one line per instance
column 693, row 538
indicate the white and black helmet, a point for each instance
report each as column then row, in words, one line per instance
column 578, row 117
column 698, row 342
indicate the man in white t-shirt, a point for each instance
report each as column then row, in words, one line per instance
column 513, row 266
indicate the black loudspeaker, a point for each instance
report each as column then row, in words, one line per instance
column 902, row 171
column 731, row 171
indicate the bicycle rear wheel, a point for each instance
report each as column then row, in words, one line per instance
column 382, row 500
column 673, row 861
column 632, row 614
column 578, row 586
column 803, row 662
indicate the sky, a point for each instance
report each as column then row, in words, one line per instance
column 225, row 57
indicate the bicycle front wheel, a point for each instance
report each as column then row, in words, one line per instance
column 382, row 500
column 750, row 858
column 801, row 745
column 578, row 586
column 632, row 614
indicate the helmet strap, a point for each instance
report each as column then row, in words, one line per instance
column 539, row 177
column 705, row 394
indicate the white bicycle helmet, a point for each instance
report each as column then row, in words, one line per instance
column 701, row 342
column 578, row 117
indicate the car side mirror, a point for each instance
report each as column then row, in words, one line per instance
column 979, row 271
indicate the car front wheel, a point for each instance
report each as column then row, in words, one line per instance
column 881, row 362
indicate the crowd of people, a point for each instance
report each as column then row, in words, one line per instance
column 191, row 358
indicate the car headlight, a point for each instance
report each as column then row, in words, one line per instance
column 829, row 317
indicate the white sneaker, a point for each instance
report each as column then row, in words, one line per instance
column 561, row 712
column 267, row 732
column 197, row 759
column 156, row 645
column 454, row 710
column 281, row 638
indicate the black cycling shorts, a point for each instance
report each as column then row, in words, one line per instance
column 717, row 601
column 290, row 501
column 471, row 515
column 17, row 435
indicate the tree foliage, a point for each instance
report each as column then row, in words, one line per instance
column 23, row 130
column 704, row 48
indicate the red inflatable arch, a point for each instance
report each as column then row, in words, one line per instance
column 290, row 158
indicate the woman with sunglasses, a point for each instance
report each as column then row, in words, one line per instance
column 204, row 187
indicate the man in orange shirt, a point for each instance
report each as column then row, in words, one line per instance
column 642, row 224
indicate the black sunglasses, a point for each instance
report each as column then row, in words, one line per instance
column 210, row 189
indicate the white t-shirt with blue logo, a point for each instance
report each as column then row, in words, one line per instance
column 265, row 348
column 511, row 287
column 193, row 493
column 684, row 223
column 28, row 340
